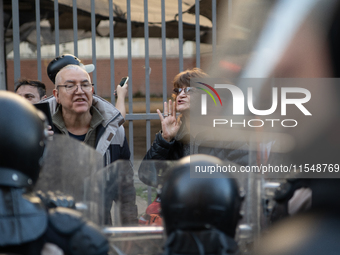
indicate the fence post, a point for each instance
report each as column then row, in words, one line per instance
column 2, row 51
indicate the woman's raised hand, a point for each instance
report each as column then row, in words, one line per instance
column 170, row 125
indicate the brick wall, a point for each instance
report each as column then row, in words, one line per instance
column 29, row 70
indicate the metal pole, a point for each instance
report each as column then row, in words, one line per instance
column 213, row 7
column 56, row 27
column 128, row 10
column 93, row 32
column 75, row 27
column 3, row 84
column 16, row 38
column 164, row 52
column 147, row 67
column 112, row 59
column 147, row 83
column 197, row 32
column 37, row 28
column 180, row 35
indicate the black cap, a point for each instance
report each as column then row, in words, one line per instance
column 66, row 59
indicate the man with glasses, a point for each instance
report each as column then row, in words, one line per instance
column 78, row 113
column 32, row 90
column 68, row 59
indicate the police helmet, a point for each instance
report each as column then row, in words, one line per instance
column 200, row 203
column 66, row 59
column 22, row 134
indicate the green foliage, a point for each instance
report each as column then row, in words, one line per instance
column 142, row 191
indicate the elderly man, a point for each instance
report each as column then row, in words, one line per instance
column 68, row 59
column 78, row 113
column 32, row 90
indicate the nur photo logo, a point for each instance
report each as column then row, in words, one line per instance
column 204, row 97
column 244, row 102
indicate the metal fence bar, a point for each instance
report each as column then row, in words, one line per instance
column 197, row 32
column 147, row 83
column 112, row 60
column 147, row 70
column 128, row 10
column 56, row 27
column 16, row 38
column 93, row 32
column 142, row 116
column 164, row 52
column 2, row 51
column 213, row 8
column 150, row 230
column 180, row 36
column 37, row 28
column 75, row 27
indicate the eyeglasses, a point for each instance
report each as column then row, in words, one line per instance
column 187, row 90
column 71, row 88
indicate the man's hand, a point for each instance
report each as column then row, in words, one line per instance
column 170, row 125
column 121, row 94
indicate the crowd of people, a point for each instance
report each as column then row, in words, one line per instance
column 199, row 215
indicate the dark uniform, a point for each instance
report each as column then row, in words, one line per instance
column 26, row 224
column 200, row 214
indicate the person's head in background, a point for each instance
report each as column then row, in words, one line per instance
column 182, row 89
column 33, row 90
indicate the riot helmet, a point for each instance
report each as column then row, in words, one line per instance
column 23, row 134
column 200, row 203
column 66, row 59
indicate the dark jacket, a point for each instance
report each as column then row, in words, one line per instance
column 237, row 152
column 111, row 142
column 183, row 145
column 27, row 225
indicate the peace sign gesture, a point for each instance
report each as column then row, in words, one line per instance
column 170, row 125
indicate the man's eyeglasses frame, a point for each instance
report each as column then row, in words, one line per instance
column 71, row 88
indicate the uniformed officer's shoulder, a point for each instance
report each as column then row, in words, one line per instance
column 84, row 236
